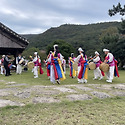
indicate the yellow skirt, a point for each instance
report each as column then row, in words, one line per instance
column 63, row 75
column 86, row 74
column 74, row 73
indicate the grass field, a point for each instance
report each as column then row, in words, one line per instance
column 27, row 77
column 110, row 111
column 94, row 112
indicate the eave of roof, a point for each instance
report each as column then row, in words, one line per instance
column 11, row 32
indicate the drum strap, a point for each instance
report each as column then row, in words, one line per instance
column 82, row 57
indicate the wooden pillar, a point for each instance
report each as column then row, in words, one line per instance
column 15, row 55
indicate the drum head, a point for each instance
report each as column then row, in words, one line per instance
column 75, row 66
column 30, row 65
column 104, row 67
column 92, row 65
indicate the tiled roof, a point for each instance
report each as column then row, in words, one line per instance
column 12, row 33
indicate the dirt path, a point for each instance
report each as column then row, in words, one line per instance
column 15, row 94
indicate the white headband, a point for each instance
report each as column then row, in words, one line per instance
column 80, row 49
column 55, row 46
column 35, row 53
column 105, row 50
column 96, row 52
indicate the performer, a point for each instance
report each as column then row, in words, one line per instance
column 64, row 65
column 2, row 65
column 35, row 61
column 19, row 65
column 82, row 66
column 37, row 64
column 97, row 71
column 71, row 61
column 48, row 64
column 6, row 63
column 109, row 59
column 56, row 72
column 25, row 64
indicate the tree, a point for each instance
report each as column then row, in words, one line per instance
column 115, row 42
column 110, row 38
column 65, row 48
column 122, row 28
column 30, row 51
column 117, row 9
column 119, row 51
column 119, row 48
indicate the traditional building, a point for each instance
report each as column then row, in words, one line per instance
column 11, row 42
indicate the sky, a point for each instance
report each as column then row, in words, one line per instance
column 36, row 16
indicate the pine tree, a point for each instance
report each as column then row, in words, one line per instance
column 119, row 48
column 117, row 9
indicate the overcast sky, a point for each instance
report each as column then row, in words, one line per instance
column 36, row 16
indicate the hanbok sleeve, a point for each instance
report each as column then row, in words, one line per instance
column 110, row 57
column 49, row 59
column 96, row 59
column 35, row 59
column 61, row 58
column 77, row 59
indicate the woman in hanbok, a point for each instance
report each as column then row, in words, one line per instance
column 2, row 66
column 37, row 64
column 71, row 61
column 112, row 62
column 97, row 71
column 19, row 66
column 82, row 66
column 64, row 65
column 56, row 71
column 35, row 61
column 48, row 65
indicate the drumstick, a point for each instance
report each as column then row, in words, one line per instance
column 92, row 58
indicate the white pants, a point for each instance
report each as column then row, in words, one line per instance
column 2, row 70
column 52, row 74
column 19, row 69
column 97, row 73
column 64, row 67
column 35, row 70
column 110, row 73
column 80, row 80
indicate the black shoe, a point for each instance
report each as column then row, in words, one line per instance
column 58, row 81
column 10, row 74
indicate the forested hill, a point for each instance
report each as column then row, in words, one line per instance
column 86, row 36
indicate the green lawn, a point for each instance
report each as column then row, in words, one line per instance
column 27, row 77
column 93, row 112
column 109, row 111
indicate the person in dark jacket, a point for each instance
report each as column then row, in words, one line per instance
column 6, row 63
